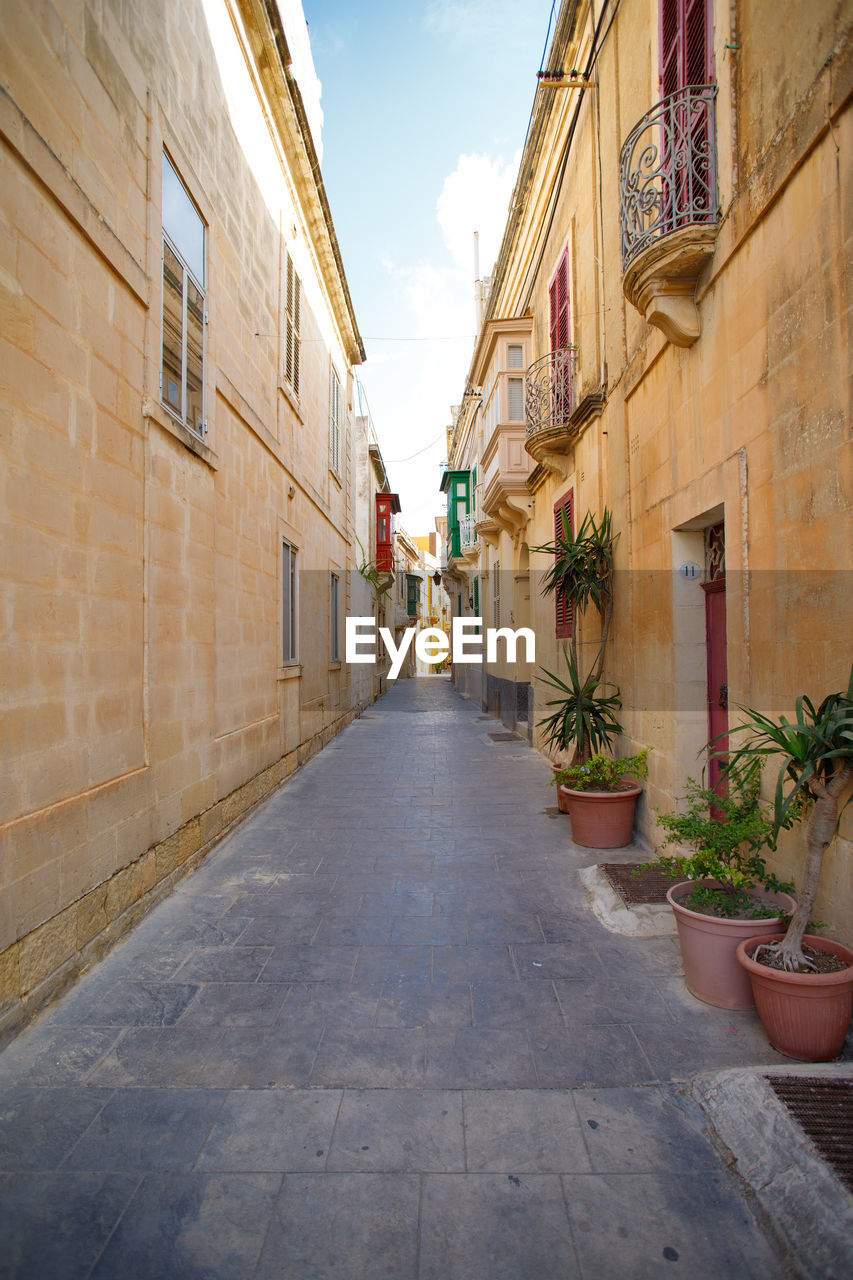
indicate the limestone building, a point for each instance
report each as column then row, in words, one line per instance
column 179, row 471
column 666, row 335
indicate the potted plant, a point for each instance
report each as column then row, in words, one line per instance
column 723, row 883
column 583, row 720
column 803, row 985
column 600, row 799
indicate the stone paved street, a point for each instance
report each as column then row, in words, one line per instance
column 378, row 1034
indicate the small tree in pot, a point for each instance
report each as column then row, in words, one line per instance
column 582, row 576
column 816, row 751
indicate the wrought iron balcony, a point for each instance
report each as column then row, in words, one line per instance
column 467, row 532
column 668, row 170
column 549, row 392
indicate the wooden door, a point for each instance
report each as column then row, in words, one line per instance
column 718, row 694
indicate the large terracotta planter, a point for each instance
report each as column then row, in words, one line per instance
column 709, row 948
column 602, row 819
column 805, row 1015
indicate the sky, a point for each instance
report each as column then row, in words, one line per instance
column 426, row 105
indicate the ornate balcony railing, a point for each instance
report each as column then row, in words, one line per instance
column 467, row 532
column 549, row 391
column 668, row 170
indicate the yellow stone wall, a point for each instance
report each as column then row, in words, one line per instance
column 751, row 424
column 144, row 704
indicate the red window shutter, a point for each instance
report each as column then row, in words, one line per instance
column 564, row 609
column 686, row 44
column 558, row 296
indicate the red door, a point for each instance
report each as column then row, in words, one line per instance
column 718, row 694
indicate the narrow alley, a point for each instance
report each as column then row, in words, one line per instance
column 378, row 1034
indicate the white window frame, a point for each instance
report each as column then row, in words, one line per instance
column 188, row 275
column 289, row 604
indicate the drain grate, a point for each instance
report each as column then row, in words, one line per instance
column 824, row 1111
column 643, row 889
column 505, row 737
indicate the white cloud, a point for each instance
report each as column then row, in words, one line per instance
column 475, row 197
column 468, row 22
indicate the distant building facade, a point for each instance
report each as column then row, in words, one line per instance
column 181, row 501
column 666, row 336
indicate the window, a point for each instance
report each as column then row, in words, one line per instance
column 686, row 44
column 413, row 594
column 560, row 331
column 184, row 310
column 496, row 594
column 335, row 617
column 290, row 325
column 563, row 522
column 515, row 356
column 515, row 387
column 334, row 422
column 457, row 485
column 288, row 604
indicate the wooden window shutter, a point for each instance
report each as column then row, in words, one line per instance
column 564, row 609
column 292, row 307
column 686, row 44
column 558, row 297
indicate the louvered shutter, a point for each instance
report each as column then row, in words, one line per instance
column 564, row 609
column 558, row 296
column 292, row 307
column 686, row 44
column 560, row 329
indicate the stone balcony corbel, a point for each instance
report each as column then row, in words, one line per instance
column 661, row 282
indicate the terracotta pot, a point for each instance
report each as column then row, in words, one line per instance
column 709, row 948
column 602, row 819
column 562, row 802
column 805, row 1015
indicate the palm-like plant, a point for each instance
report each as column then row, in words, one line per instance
column 816, row 750
column 582, row 575
column 584, row 716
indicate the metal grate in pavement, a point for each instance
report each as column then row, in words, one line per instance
column 824, row 1111
column 505, row 737
column 641, row 889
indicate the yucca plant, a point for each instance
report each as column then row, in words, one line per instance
column 585, row 718
column 582, row 575
column 816, row 750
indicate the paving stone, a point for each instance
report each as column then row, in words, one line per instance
column 425, row 1004
column 352, row 1004
column 406, row 1131
column 236, row 1004
column 224, row 964
column 641, row 1225
column 193, row 1226
column 472, row 1058
column 54, row 1225
column 146, row 1129
column 272, row 1130
column 631, row 1130
column 352, row 1057
column 342, row 1226
column 38, row 1127
column 504, row 1227
column 523, row 1131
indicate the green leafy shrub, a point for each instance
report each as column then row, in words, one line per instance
column 603, row 773
column 727, row 834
